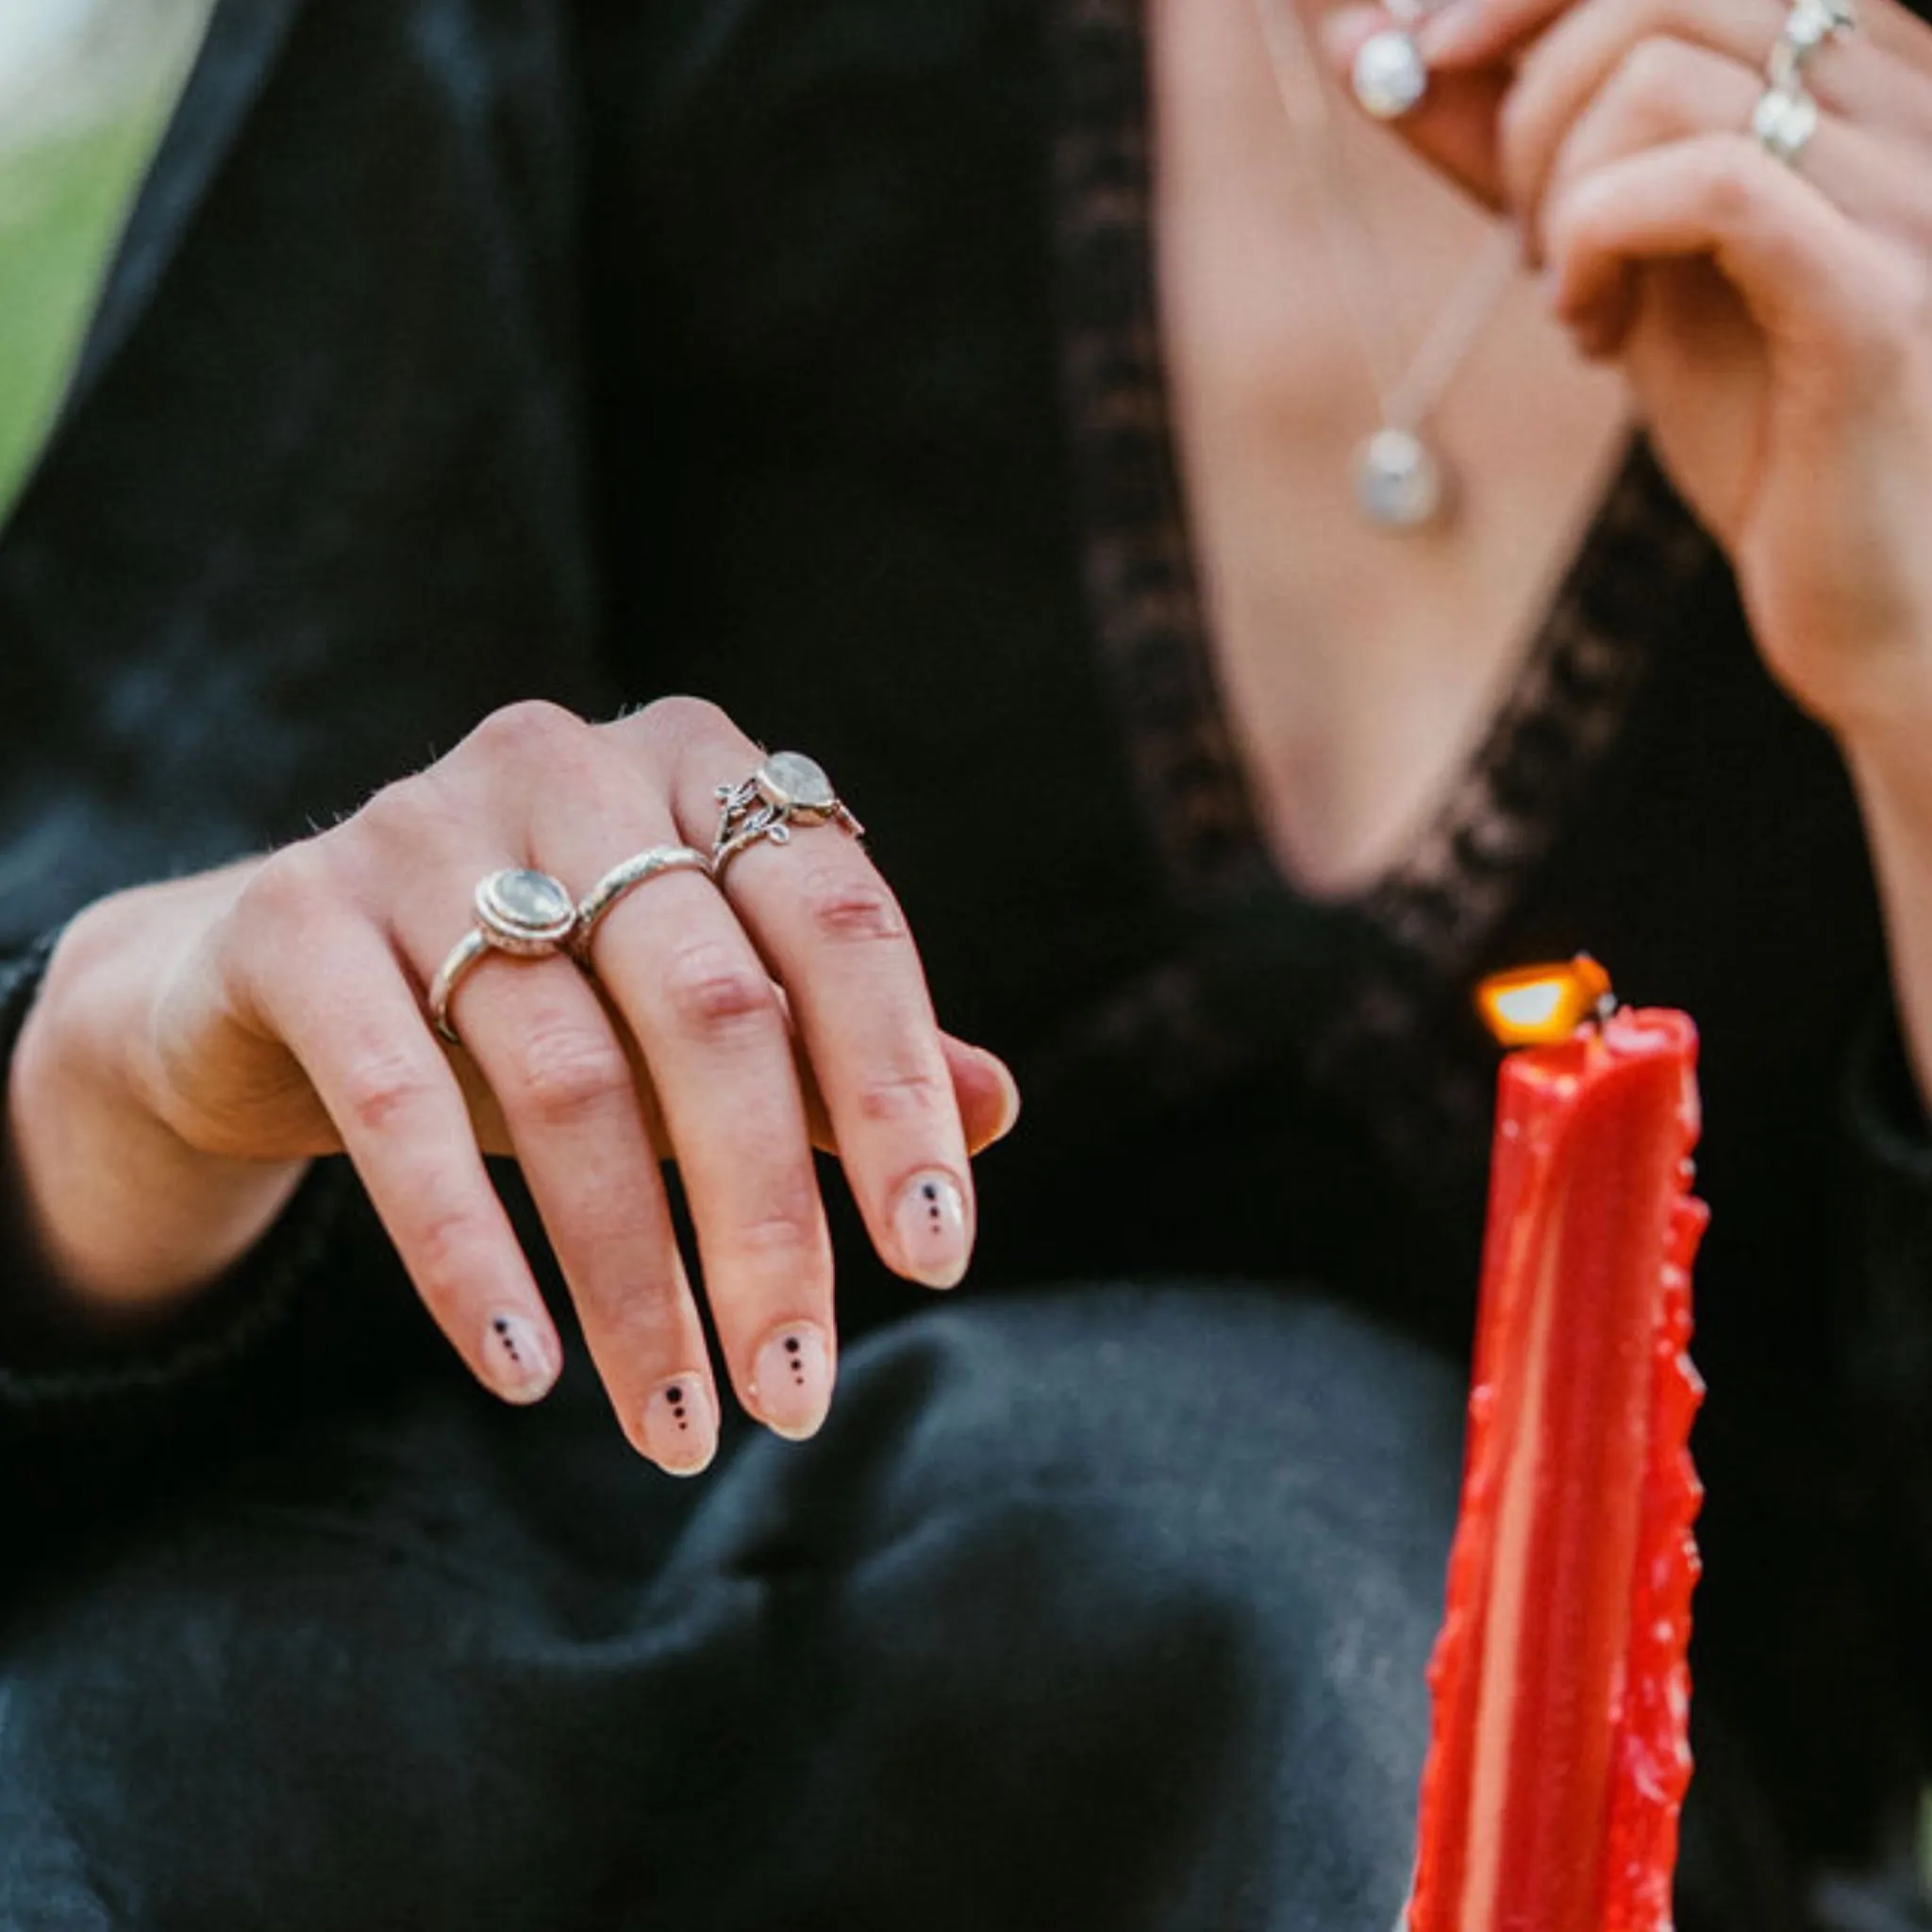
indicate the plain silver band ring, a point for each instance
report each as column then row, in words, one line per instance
column 621, row 879
column 449, row 975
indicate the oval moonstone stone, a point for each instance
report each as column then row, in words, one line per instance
column 532, row 901
column 793, row 782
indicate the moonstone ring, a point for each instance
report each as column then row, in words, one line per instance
column 518, row 912
column 787, row 790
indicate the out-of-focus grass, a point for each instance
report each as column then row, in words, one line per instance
column 64, row 202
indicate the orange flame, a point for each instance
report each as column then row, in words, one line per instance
column 1536, row 1006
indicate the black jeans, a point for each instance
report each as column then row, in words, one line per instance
column 1104, row 1609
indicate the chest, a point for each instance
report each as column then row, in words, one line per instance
column 1360, row 667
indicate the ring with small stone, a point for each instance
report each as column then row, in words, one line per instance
column 518, row 912
column 787, row 790
column 1782, row 124
column 1808, row 25
column 1389, row 77
column 620, row 879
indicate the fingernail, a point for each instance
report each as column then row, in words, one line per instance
column 682, row 1425
column 517, row 1358
column 1010, row 1088
column 791, row 1380
column 929, row 1223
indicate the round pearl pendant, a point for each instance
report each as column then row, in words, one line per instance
column 1399, row 482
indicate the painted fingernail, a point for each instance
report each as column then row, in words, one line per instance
column 791, row 1380
column 518, row 1358
column 682, row 1425
column 929, row 1223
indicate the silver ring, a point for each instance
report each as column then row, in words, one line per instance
column 620, row 879
column 518, row 912
column 1782, row 124
column 1807, row 26
column 787, row 790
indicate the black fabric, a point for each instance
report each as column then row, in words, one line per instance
column 465, row 350
column 1064, row 1577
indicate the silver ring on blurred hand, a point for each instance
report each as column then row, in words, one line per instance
column 1782, row 124
column 1808, row 25
column 621, row 879
column 518, row 912
column 787, row 790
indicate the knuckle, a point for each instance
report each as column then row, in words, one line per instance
column 841, row 903
column 1650, row 76
column 786, row 1222
column 382, row 1087
column 445, row 1252
column 568, row 1071
column 287, row 886
column 909, row 1094
column 1730, row 194
column 397, row 816
column 532, row 729
column 682, row 718
column 710, row 989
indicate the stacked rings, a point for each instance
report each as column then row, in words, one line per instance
column 530, row 914
column 1786, row 116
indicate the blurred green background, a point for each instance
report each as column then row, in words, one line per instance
column 86, row 87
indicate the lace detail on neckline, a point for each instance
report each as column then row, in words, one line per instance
column 1418, row 933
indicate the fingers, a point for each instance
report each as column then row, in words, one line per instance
column 679, row 1041
column 831, row 930
column 329, row 987
column 1809, row 276
column 1616, row 76
column 1454, row 124
column 571, row 1104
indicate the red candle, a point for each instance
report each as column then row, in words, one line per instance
column 1560, row 1756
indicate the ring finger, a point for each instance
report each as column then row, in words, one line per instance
column 1626, row 54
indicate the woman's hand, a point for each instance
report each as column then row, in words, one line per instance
column 1773, row 320
column 198, row 1043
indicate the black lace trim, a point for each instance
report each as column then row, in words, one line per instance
column 1419, row 932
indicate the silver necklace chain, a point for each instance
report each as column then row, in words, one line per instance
column 1401, row 479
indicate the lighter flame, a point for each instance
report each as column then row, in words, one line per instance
column 1535, row 1006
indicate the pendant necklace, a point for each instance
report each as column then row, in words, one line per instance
column 1402, row 481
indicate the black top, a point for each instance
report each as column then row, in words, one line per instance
column 803, row 356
